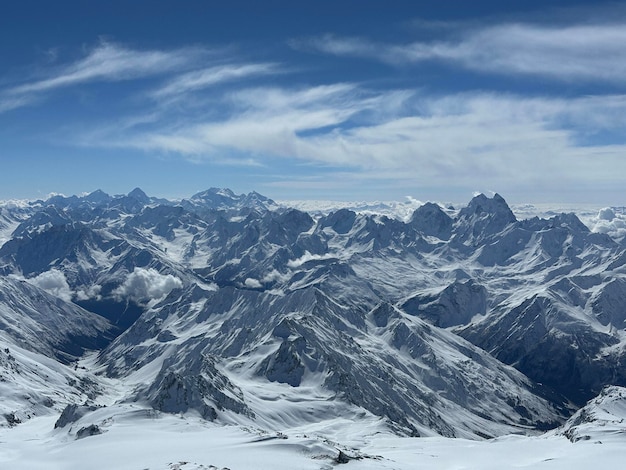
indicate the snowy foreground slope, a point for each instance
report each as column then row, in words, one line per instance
column 227, row 330
column 133, row 438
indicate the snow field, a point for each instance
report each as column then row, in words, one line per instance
column 131, row 440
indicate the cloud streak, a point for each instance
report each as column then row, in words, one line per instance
column 199, row 79
column 258, row 122
column 586, row 52
column 109, row 62
column 105, row 63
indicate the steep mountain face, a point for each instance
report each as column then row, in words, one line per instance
column 447, row 323
column 43, row 323
column 420, row 378
column 563, row 327
column 455, row 305
column 482, row 219
column 431, row 220
column 41, row 335
column 33, row 384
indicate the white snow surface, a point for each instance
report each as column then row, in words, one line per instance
column 131, row 438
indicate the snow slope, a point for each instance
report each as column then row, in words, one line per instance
column 144, row 439
column 40, row 322
column 603, row 419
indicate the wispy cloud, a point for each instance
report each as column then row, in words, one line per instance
column 109, row 62
column 106, row 62
column 461, row 139
column 264, row 122
column 200, row 79
column 8, row 102
column 592, row 52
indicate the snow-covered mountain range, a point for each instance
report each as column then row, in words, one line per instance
column 236, row 309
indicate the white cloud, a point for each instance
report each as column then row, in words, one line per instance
column 468, row 140
column 252, row 283
column 109, row 62
column 106, row 62
column 7, row 103
column 147, row 284
column 344, row 46
column 565, row 52
column 199, row 79
column 275, row 276
column 261, row 121
column 463, row 140
column 607, row 220
column 89, row 292
column 607, row 214
column 53, row 282
column 392, row 209
column 306, row 257
column 611, row 221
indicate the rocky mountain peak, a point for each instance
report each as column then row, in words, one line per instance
column 97, row 197
column 495, row 206
column 482, row 218
column 431, row 220
column 138, row 194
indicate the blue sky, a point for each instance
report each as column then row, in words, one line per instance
column 344, row 100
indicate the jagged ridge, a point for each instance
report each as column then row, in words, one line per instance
column 348, row 303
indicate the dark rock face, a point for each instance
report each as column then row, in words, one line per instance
column 545, row 344
column 455, row 305
column 430, row 219
column 481, row 219
column 341, row 221
column 191, row 381
column 87, row 431
column 285, row 366
column 383, row 313
column 36, row 252
column 46, row 324
column 72, row 413
column 609, row 304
